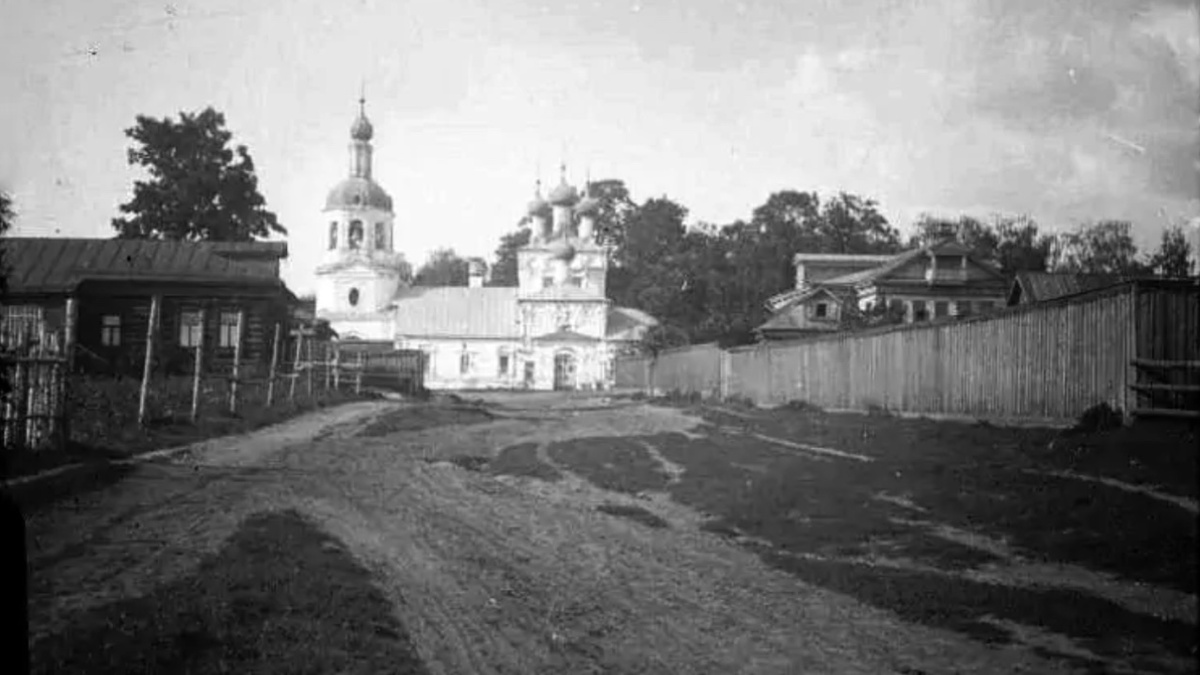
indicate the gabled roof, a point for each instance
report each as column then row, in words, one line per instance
column 1043, row 286
column 58, row 265
column 562, row 293
column 457, row 311
column 565, row 336
column 839, row 258
column 944, row 247
column 782, row 301
column 624, row 322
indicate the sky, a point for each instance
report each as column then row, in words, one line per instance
column 1069, row 111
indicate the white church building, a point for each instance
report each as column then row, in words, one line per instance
column 554, row 330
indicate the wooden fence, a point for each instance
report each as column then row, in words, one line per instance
column 1048, row 361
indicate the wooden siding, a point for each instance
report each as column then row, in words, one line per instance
column 1047, row 361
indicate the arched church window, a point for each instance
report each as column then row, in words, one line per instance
column 380, row 236
column 353, row 297
column 333, row 235
column 356, row 234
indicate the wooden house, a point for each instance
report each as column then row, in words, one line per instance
column 109, row 286
column 1031, row 287
column 942, row 279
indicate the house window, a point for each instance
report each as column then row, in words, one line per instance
column 577, row 282
column 896, row 305
column 547, row 282
column 427, row 360
column 380, row 236
column 110, row 330
column 941, row 308
column 333, row 235
column 503, row 364
column 356, row 234
column 920, row 311
column 529, row 372
column 353, row 298
column 190, row 329
column 464, row 363
column 230, row 330
column 821, row 310
column 963, row 308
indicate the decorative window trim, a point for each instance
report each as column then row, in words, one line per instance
column 191, row 330
column 229, row 332
column 110, row 330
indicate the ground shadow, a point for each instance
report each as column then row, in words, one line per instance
column 279, row 597
column 70, row 484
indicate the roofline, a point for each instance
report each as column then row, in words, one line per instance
column 841, row 257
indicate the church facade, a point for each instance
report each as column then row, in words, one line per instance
column 554, row 330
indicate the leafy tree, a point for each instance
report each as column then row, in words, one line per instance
column 199, row 188
column 982, row 240
column 879, row 314
column 504, row 271
column 650, row 268
column 664, row 336
column 852, row 224
column 1173, row 257
column 1105, row 247
column 614, row 212
column 1020, row 247
column 444, row 267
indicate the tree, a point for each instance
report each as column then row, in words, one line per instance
column 853, row 224
column 614, row 212
column 982, row 240
column 1020, row 247
column 1105, row 247
column 444, row 267
column 1173, row 257
column 199, row 189
column 504, row 271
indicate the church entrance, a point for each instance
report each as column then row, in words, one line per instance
column 564, row 371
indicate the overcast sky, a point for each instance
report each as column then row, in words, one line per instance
column 1065, row 110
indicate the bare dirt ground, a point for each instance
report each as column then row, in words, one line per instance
column 543, row 533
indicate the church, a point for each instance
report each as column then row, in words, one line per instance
column 554, row 330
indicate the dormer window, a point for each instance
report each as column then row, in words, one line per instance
column 821, row 311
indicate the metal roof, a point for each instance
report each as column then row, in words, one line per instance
column 458, row 311
column 565, row 336
column 1042, row 286
column 49, row 265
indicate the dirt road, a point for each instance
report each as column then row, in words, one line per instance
column 491, row 573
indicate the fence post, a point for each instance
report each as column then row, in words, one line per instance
column 237, row 363
column 337, row 366
column 151, row 334
column 296, row 365
column 69, row 354
column 310, row 363
column 274, row 365
column 325, row 362
column 358, row 380
column 198, row 367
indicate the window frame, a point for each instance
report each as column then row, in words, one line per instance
column 380, row 236
column 228, row 330
column 821, row 310
column 465, row 363
column 333, row 236
column 191, row 332
column 503, row 361
column 356, row 226
column 110, row 332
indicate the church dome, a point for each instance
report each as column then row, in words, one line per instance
column 537, row 207
column 561, row 249
column 588, row 206
column 563, row 195
column 358, row 193
column 362, row 130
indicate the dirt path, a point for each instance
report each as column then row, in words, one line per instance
column 494, row 574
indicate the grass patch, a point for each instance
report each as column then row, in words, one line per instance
column 280, row 597
column 635, row 513
column 522, row 460
column 616, row 464
column 104, row 426
column 417, row 418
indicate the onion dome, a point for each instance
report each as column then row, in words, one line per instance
column 362, row 130
column 563, row 195
column 537, row 206
column 358, row 193
column 588, row 206
column 561, row 249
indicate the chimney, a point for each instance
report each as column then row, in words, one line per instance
column 475, row 271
